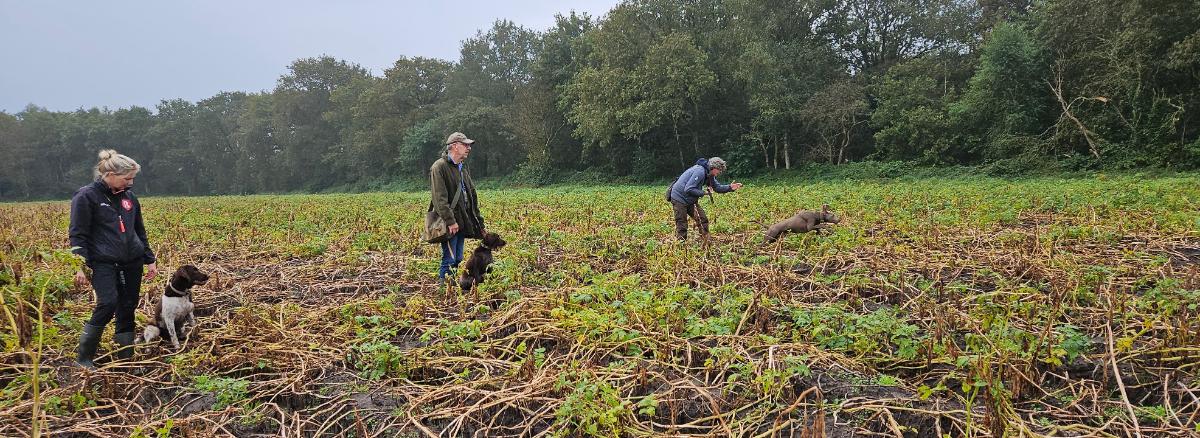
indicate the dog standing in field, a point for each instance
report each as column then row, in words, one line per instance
column 480, row 261
column 175, row 307
column 802, row 222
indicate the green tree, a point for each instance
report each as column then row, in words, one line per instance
column 877, row 34
column 912, row 119
column 129, row 130
column 81, row 134
column 214, row 140
column 421, row 145
column 834, row 114
column 173, row 167
column 259, row 168
column 669, row 84
column 16, row 177
column 538, row 120
column 406, row 97
column 493, row 65
column 345, row 159
column 641, row 92
column 496, row 151
column 787, row 57
column 1127, row 73
column 308, row 140
column 1000, row 114
column 493, row 68
column 51, row 171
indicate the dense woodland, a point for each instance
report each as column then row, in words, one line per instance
column 642, row 91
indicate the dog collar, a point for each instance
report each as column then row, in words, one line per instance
column 173, row 289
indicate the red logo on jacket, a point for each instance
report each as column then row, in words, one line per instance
column 127, row 204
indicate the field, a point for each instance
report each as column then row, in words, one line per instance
column 956, row 307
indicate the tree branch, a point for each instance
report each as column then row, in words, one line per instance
column 1056, row 88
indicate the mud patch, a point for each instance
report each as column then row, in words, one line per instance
column 1185, row 256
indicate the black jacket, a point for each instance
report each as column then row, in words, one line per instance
column 107, row 227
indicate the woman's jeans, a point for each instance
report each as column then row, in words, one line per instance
column 117, row 294
column 452, row 254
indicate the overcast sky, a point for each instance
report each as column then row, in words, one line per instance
column 80, row 54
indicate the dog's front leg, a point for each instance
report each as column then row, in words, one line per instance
column 189, row 325
column 174, row 337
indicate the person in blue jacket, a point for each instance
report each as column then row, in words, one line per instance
column 108, row 233
column 686, row 192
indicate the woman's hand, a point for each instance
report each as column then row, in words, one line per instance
column 151, row 271
column 454, row 229
column 80, row 278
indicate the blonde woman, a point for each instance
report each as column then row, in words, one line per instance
column 108, row 233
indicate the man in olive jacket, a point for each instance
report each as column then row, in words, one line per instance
column 449, row 177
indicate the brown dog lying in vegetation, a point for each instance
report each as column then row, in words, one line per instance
column 802, row 222
column 480, row 261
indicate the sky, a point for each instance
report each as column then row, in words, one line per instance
column 67, row 55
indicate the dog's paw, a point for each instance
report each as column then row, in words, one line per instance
column 188, row 331
column 150, row 333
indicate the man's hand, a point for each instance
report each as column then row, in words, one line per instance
column 735, row 186
column 80, row 278
column 454, row 229
column 151, row 271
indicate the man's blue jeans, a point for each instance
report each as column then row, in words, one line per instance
column 452, row 255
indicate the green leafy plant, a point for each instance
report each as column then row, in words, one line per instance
column 881, row 334
column 227, row 390
column 592, row 406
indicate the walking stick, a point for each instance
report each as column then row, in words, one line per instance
column 711, row 203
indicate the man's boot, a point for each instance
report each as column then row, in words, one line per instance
column 125, row 340
column 87, row 345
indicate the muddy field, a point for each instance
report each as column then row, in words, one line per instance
column 960, row 307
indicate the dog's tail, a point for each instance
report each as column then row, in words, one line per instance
column 150, row 333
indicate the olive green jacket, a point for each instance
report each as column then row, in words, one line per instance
column 444, row 179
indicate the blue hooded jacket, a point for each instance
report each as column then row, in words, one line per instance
column 688, row 188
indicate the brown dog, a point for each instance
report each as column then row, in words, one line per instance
column 175, row 307
column 480, row 261
column 802, row 222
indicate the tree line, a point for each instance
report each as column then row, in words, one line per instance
column 653, row 84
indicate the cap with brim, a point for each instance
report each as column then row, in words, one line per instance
column 458, row 137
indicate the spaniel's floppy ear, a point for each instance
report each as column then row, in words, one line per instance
column 189, row 271
column 178, row 275
column 824, row 208
column 493, row 240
